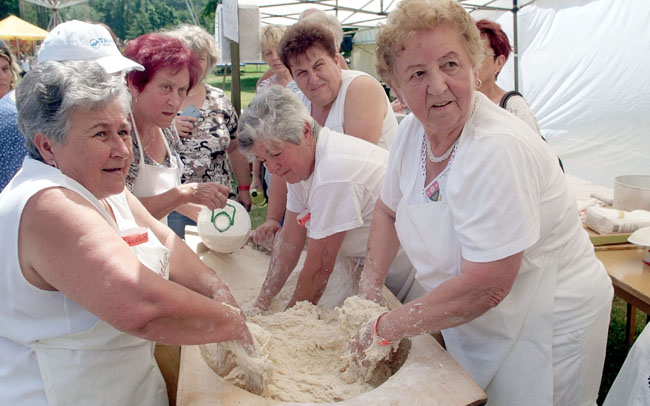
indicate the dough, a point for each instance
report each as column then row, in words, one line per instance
column 251, row 372
column 307, row 347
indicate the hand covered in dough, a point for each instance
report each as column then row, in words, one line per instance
column 211, row 194
column 264, row 235
column 359, row 344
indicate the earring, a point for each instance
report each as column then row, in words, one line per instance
column 54, row 164
column 478, row 86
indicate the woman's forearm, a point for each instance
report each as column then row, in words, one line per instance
column 277, row 201
column 240, row 166
column 285, row 256
column 319, row 264
column 191, row 318
column 479, row 287
column 383, row 245
column 164, row 203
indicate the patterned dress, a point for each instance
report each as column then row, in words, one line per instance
column 204, row 153
column 12, row 142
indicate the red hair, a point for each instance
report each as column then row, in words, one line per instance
column 496, row 37
column 159, row 51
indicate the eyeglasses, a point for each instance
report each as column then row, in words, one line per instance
column 490, row 55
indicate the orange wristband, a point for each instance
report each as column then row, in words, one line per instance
column 381, row 341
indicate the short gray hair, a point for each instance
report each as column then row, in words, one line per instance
column 275, row 115
column 198, row 41
column 49, row 94
column 328, row 20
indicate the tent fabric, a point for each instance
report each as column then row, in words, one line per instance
column 13, row 27
column 584, row 72
column 355, row 13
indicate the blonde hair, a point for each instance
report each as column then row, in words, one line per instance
column 199, row 41
column 5, row 53
column 415, row 15
column 271, row 37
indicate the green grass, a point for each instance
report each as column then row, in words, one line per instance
column 249, row 75
column 617, row 347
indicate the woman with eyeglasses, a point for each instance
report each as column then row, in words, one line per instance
column 497, row 50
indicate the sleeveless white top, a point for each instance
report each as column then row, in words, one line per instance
column 34, row 323
column 336, row 116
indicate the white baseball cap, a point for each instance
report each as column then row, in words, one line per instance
column 79, row 41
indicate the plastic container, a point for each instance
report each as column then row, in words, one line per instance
column 632, row 192
column 224, row 230
column 258, row 198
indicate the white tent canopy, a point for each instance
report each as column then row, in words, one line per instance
column 583, row 68
column 361, row 13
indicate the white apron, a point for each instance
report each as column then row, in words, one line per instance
column 508, row 350
column 153, row 180
column 127, row 372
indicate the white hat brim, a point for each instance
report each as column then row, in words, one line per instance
column 118, row 63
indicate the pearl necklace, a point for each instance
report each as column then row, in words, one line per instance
column 444, row 156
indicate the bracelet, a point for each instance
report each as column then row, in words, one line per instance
column 242, row 187
column 381, row 341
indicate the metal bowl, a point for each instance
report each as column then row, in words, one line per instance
column 632, row 192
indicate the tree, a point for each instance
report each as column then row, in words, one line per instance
column 8, row 7
column 209, row 10
column 82, row 12
column 114, row 13
column 152, row 16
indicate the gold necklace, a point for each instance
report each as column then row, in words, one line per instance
column 151, row 140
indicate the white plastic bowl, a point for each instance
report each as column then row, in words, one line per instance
column 632, row 192
column 224, row 230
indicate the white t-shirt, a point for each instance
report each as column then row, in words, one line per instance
column 519, row 108
column 507, row 194
column 336, row 116
column 341, row 192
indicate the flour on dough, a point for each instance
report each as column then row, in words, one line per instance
column 251, row 372
column 307, row 347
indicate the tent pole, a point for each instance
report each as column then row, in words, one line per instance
column 235, row 84
column 515, row 9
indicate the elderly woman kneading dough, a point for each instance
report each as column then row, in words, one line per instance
column 89, row 278
column 479, row 204
column 334, row 181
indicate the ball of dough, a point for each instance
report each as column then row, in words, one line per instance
column 224, row 230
